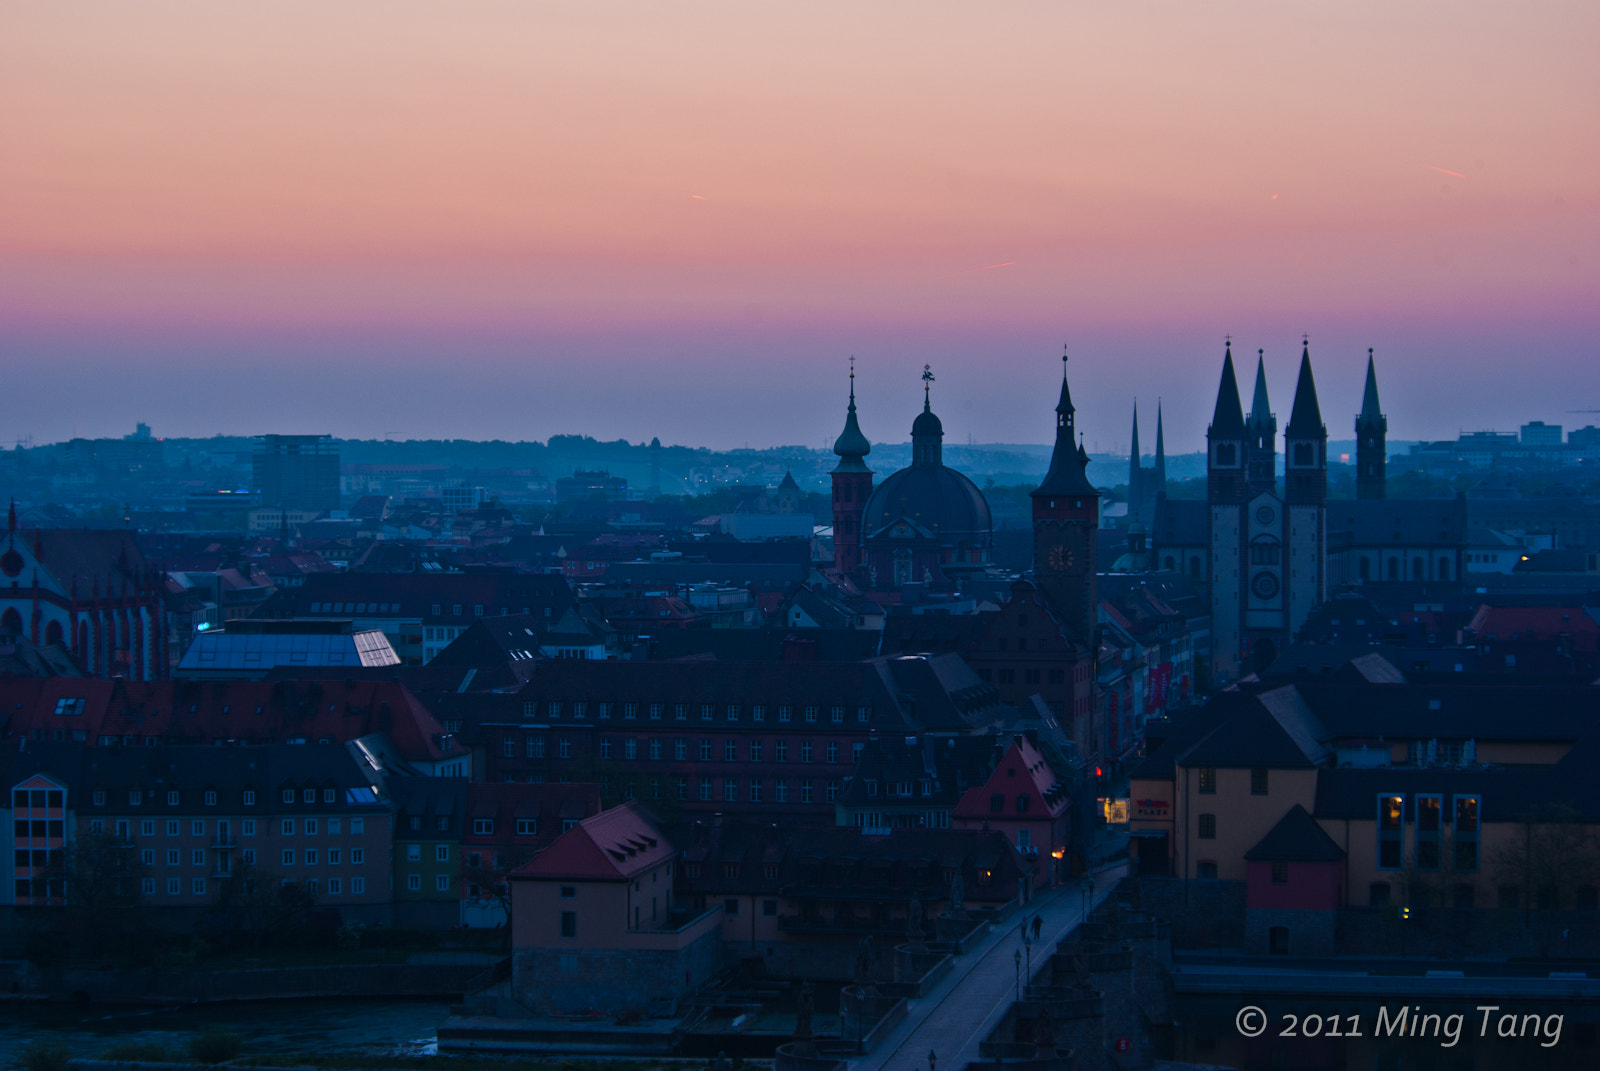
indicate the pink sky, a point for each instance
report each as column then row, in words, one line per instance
column 517, row 219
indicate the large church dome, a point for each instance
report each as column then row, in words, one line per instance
column 936, row 498
column 939, row 499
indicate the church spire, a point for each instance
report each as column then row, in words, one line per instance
column 1161, row 454
column 1372, row 436
column 1305, row 421
column 1227, row 419
column 1135, row 474
column 1260, row 410
column 1370, row 409
column 1306, row 441
column 1066, row 475
column 851, row 445
column 1261, row 442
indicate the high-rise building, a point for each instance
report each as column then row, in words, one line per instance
column 297, row 471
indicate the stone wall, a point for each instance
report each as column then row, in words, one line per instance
column 1202, row 914
column 555, row 981
column 1453, row 933
column 1310, row 933
column 188, row 986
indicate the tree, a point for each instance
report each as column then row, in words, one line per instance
column 488, row 869
column 1556, row 856
column 100, row 878
column 259, row 907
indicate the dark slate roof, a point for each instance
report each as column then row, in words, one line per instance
column 1305, row 422
column 1274, row 728
column 1182, row 522
column 953, row 764
column 1399, row 522
column 495, row 641
column 86, row 554
column 761, row 645
column 933, row 633
column 415, row 595
column 1451, row 709
column 1297, row 838
column 762, row 574
column 1185, row 728
column 429, row 799
column 1508, row 793
column 903, row 694
column 1227, row 420
column 1067, row 475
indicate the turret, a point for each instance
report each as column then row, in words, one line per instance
column 1226, row 439
column 1261, row 432
column 1372, row 433
column 1305, row 444
column 852, row 484
column 927, row 432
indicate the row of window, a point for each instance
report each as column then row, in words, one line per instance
column 1431, row 847
column 247, row 827
column 198, row 887
column 197, row 857
column 732, row 712
column 782, row 791
column 441, row 882
column 755, row 751
column 137, row 797
column 484, row 827
column 368, row 608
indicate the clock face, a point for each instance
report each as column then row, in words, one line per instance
column 1060, row 558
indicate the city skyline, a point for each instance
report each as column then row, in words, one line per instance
column 513, row 222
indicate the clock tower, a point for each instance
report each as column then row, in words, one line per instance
column 1066, row 513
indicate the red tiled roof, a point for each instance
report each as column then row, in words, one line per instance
column 206, row 711
column 1022, row 771
column 613, row 845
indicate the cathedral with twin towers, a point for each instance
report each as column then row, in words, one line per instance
column 1263, row 553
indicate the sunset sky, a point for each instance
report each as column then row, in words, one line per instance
column 513, row 219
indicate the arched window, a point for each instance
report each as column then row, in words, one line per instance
column 1194, row 568
column 52, row 632
column 1394, row 568
column 1265, row 551
column 1170, row 564
column 1419, row 569
column 1366, row 568
column 1444, row 568
column 11, row 623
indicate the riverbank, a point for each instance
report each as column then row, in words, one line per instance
column 155, row 985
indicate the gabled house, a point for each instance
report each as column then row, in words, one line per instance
column 1026, row 800
column 595, row 925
